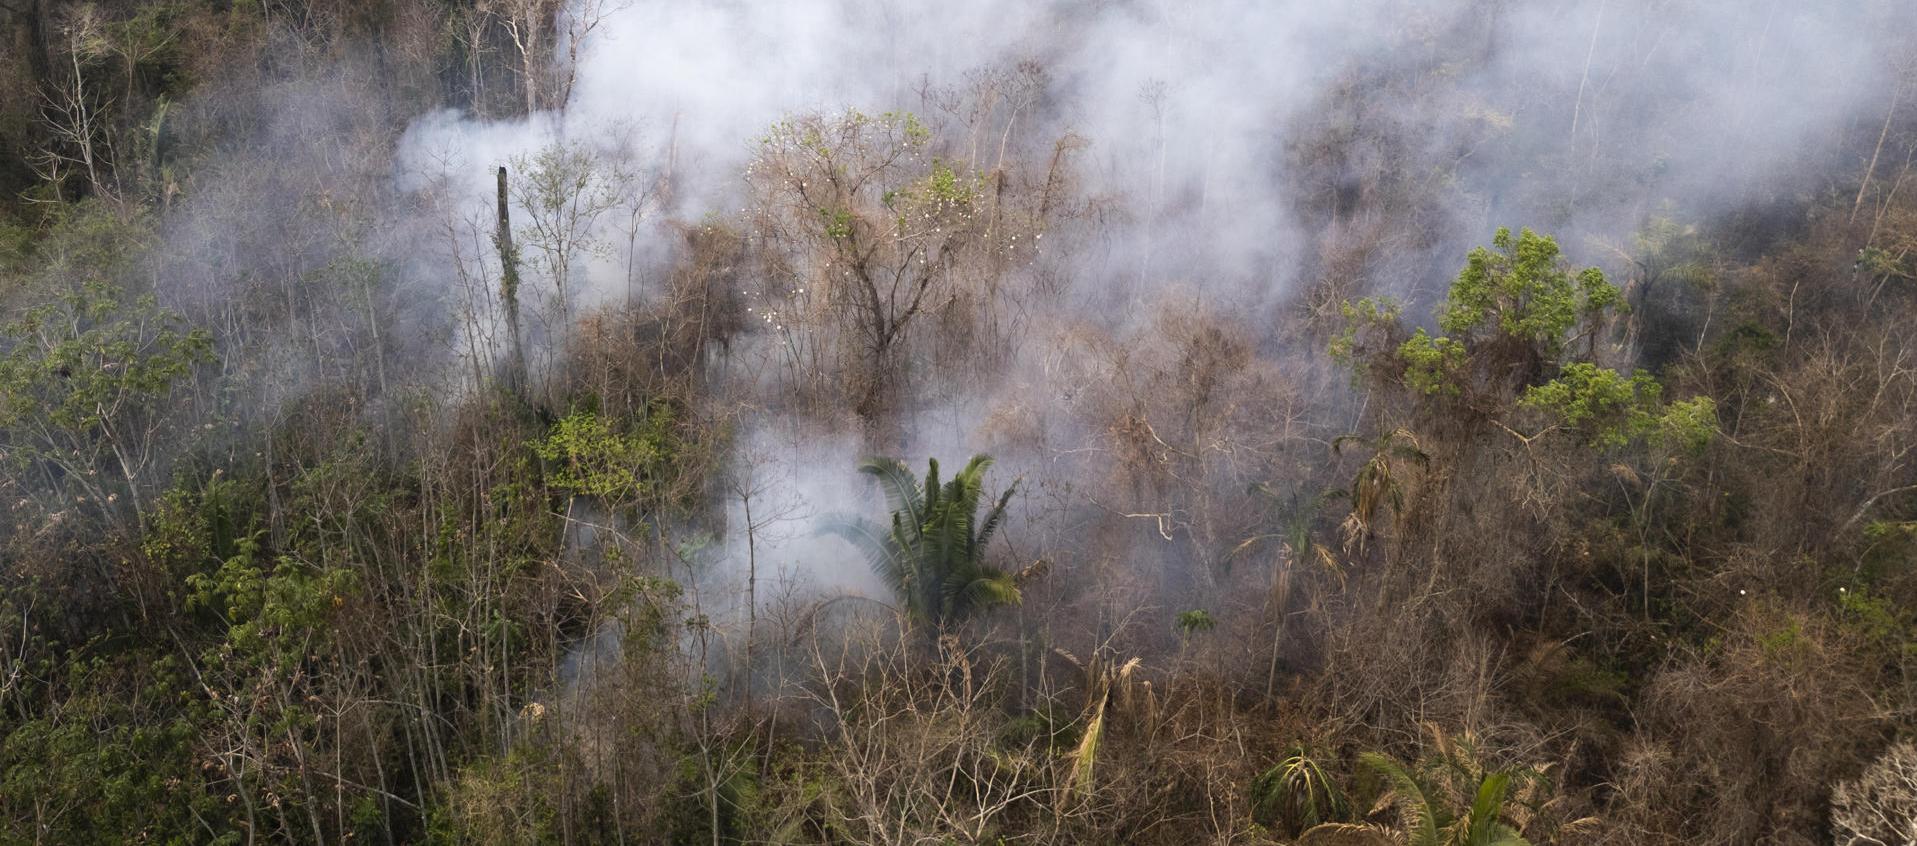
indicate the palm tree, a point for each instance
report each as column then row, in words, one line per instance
column 1429, row 819
column 932, row 555
column 1379, row 482
column 1110, row 685
column 1452, row 797
column 1299, row 793
column 1297, row 547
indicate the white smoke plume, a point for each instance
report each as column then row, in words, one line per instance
column 1232, row 132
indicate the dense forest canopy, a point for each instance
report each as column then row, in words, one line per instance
column 1080, row 421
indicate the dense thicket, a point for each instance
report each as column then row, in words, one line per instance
column 1453, row 548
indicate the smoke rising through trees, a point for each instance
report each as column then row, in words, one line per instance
column 1423, row 421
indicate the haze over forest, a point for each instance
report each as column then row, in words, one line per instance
column 1418, row 422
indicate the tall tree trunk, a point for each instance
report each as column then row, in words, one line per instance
column 509, row 293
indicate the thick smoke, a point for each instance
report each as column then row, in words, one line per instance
column 1237, row 139
column 1558, row 110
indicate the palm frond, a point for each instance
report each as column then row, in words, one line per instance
column 987, row 590
column 1300, row 792
column 1410, row 453
column 1483, row 818
column 931, row 490
column 1409, row 796
column 1250, row 542
column 877, row 546
column 994, row 518
column 1346, row 834
column 1338, row 443
column 1085, row 758
column 963, row 491
column 1501, row 835
column 975, row 469
column 902, row 494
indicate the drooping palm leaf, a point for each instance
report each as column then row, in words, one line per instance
column 989, row 589
column 1085, row 757
column 881, row 552
column 902, row 494
column 1378, row 481
column 1413, row 801
column 1300, row 793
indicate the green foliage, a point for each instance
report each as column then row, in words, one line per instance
column 933, row 555
column 1610, row 410
column 839, row 163
column 1194, row 621
column 1883, row 264
column 1433, row 365
column 193, row 529
column 348, row 626
column 587, row 456
column 1514, row 308
column 1889, row 548
column 1881, row 620
column 1360, row 316
column 1522, row 290
column 89, row 367
column 1785, row 643
column 1424, row 798
column 1689, row 424
column 1451, row 796
column 838, row 223
column 107, row 757
column 1298, row 794
column 901, row 130
column 84, row 359
column 913, row 130
column 268, row 614
column 942, row 187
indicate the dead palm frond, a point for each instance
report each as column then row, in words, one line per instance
column 1381, row 481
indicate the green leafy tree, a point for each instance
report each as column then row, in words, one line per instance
column 1610, row 410
column 565, row 189
column 1194, row 621
column 588, row 456
column 97, row 749
column 264, row 683
column 877, row 233
column 1509, row 330
column 1522, row 291
column 86, row 375
column 1513, row 312
column 933, row 553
